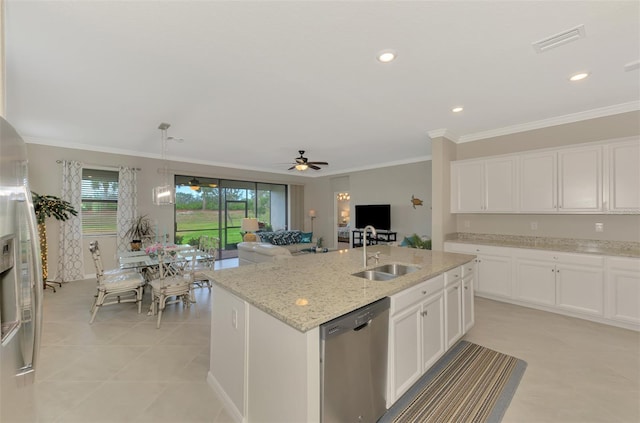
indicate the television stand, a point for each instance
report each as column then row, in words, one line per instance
column 383, row 236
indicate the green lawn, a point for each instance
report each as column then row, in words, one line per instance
column 193, row 224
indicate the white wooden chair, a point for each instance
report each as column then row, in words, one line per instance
column 173, row 281
column 125, row 285
column 205, row 261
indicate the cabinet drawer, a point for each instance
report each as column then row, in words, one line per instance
column 453, row 275
column 458, row 247
column 412, row 295
column 469, row 268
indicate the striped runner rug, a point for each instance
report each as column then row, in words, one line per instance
column 470, row 383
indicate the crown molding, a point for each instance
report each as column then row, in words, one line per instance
column 559, row 120
column 443, row 132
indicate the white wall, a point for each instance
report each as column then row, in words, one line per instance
column 392, row 185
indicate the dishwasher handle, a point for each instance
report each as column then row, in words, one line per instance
column 362, row 326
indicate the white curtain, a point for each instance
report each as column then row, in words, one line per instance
column 127, row 206
column 70, row 259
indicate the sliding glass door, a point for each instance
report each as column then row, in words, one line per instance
column 216, row 207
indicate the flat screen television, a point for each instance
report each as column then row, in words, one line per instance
column 376, row 215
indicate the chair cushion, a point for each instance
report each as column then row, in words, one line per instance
column 133, row 280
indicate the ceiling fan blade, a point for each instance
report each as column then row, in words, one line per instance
column 292, row 167
column 318, row 163
column 312, row 166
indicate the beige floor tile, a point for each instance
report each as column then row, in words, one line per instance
column 123, row 369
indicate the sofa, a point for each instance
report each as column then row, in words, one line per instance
column 294, row 240
column 260, row 252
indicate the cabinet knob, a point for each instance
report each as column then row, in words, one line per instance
column 455, row 276
column 466, row 287
column 457, row 287
column 424, row 313
column 424, row 292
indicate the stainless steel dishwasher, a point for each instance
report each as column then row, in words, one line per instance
column 353, row 358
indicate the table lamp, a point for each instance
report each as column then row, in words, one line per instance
column 249, row 226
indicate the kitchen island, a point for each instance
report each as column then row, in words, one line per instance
column 265, row 324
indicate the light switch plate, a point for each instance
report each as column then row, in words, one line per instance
column 599, row 227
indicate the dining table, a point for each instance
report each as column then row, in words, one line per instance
column 176, row 256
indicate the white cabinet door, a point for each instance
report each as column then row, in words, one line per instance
column 623, row 280
column 499, row 185
column 580, row 179
column 580, row 288
column 535, row 281
column 467, row 192
column 624, row 177
column 453, row 312
column 406, row 341
column 494, row 275
column 468, row 309
column 433, row 341
column 538, row 182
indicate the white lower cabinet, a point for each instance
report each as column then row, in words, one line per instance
column 468, row 309
column 604, row 289
column 623, row 283
column 492, row 268
column 421, row 319
column 416, row 335
column 453, row 305
column 573, row 282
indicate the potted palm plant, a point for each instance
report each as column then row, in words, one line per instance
column 141, row 230
column 49, row 206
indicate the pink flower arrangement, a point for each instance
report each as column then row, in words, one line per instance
column 159, row 248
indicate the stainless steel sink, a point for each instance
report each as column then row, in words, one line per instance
column 372, row 275
column 395, row 269
column 386, row 272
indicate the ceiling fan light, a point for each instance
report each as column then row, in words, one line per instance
column 301, row 167
column 194, row 184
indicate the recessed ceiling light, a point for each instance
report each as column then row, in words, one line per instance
column 386, row 56
column 578, row 76
column 457, row 109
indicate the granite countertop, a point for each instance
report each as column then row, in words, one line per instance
column 309, row 290
column 567, row 245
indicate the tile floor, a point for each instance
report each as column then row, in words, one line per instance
column 122, row 368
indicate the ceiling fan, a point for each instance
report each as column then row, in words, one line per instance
column 302, row 163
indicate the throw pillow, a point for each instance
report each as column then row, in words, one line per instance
column 306, row 237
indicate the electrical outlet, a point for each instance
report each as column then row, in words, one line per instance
column 234, row 318
column 534, row 226
column 599, row 227
column 467, row 224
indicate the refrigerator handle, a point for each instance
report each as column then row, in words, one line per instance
column 30, row 355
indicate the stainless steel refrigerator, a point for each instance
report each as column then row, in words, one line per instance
column 20, row 282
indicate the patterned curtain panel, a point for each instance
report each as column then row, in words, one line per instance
column 70, row 260
column 127, row 205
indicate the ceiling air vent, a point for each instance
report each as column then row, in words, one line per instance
column 559, row 39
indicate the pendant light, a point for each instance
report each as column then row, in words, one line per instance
column 164, row 194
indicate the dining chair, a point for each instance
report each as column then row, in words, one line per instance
column 205, row 261
column 173, row 281
column 125, row 285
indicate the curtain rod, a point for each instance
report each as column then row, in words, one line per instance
column 97, row 165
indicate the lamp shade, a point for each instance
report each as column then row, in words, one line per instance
column 344, row 213
column 312, row 213
column 249, row 225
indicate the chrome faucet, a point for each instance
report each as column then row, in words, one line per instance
column 376, row 256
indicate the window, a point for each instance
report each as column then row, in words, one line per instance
column 215, row 207
column 99, row 201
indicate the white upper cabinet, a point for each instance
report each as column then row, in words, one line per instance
column 567, row 181
column 580, row 180
column 538, row 182
column 483, row 186
column 595, row 178
column 624, row 177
